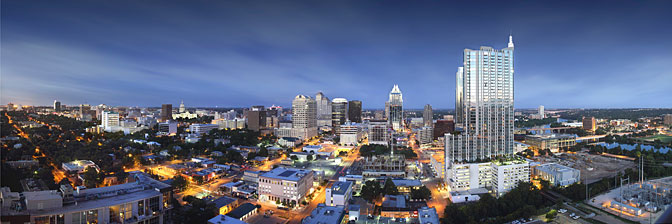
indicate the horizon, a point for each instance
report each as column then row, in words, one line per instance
column 144, row 54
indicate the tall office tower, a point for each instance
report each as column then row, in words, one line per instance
column 387, row 110
column 304, row 112
column 486, row 114
column 182, row 108
column 379, row 132
column 396, row 111
column 110, row 119
column 256, row 118
column 541, row 112
column 323, row 110
column 355, row 111
column 428, row 116
column 589, row 124
column 166, row 112
column 57, row 105
column 339, row 113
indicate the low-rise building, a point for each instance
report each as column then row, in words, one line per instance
column 289, row 142
column 324, row 214
column 79, row 166
column 223, row 219
column 497, row 177
column 557, row 175
column 428, row 216
column 200, row 129
column 168, row 128
column 552, row 142
column 225, row 204
column 285, row 184
column 339, row 194
column 243, row 212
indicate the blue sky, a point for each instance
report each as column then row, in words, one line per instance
column 585, row 54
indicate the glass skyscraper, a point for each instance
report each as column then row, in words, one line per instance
column 396, row 102
column 484, row 106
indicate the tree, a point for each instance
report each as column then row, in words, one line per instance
column 389, row 188
column 370, row 190
column 421, row 193
column 91, row 177
column 551, row 214
column 179, row 183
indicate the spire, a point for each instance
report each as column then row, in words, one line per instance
column 510, row 41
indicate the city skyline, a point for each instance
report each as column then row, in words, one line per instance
column 211, row 56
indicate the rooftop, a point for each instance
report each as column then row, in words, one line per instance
column 242, row 210
column 223, row 219
column 406, row 183
column 223, row 201
column 286, row 174
column 554, row 167
column 428, row 216
column 394, row 201
column 341, row 187
column 323, row 214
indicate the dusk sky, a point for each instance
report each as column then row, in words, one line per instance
column 584, row 54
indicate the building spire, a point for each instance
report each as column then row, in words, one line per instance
column 510, row 41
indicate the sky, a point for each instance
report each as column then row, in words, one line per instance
column 568, row 54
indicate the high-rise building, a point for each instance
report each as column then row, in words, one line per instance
column 484, row 104
column 166, row 112
column 428, row 116
column 396, row 111
column 110, row 119
column 57, row 105
column 339, row 112
column 486, row 108
column 10, row 106
column 304, row 112
column 541, row 112
column 667, row 119
column 256, row 118
column 589, row 124
column 323, row 110
column 355, row 111
column 425, row 135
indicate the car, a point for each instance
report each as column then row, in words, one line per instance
column 571, row 215
column 576, row 217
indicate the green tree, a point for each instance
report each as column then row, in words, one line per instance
column 371, row 190
column 421, row 193
column 91, row 177
column 179, row 183
column 389, row 188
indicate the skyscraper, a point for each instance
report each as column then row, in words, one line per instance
column 396, row 102
column 355, row 111
column 304, row 112
column 484, row 104
column 110, row 119
column 256, row 118
column 323, row 110
column 541, row 112
column 166, row 112
column 428, row 116
column 339, row 110
column 57, row 105
column 485, row 108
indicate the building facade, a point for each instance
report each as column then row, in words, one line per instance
column 355, row 111
column 589, row 124
column 339, row 112
column 323, row 110
column 485, row 111
column 557, row 175
column 379, row 132
column 396, row 110
column 551, row 142
column 166, row 112
column 285, row 184
column 339, row 193
column 428, row 116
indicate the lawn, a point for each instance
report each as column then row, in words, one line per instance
column 662, row 138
